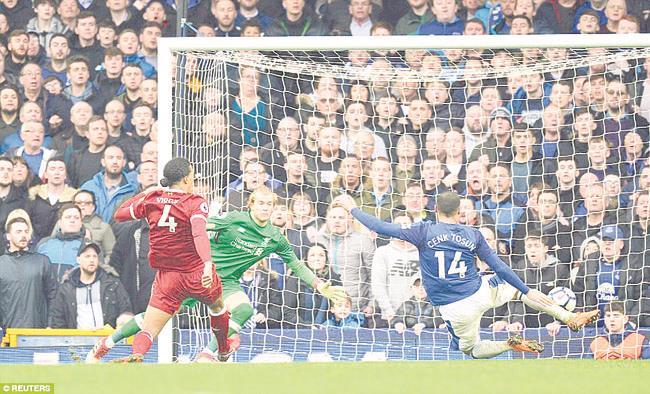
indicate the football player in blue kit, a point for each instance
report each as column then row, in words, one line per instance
column 448, row 252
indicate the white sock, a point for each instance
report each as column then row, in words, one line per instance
column 489, row 349
column 139, row 319
column 109, row 343
column 556, row 311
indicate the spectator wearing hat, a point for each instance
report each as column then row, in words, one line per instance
column 497, row 148
column 589, row 21
column 621, row 339
column 609, row 275
column 62, row 247
column 45, row 23
column 91, row 296
column 27, row 281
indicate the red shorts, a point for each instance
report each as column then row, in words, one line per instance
column 170, row 288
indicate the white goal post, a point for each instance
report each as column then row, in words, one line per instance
column 237, row 51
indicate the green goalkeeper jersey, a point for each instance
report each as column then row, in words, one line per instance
column 237, row 242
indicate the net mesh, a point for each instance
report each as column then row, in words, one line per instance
column 547, row 146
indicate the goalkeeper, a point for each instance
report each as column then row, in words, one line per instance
column 239, row 240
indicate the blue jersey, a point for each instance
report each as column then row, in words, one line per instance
column 447, row 257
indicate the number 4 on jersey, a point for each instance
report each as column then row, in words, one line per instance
column 456, row 266
column 166, row 220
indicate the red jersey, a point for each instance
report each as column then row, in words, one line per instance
column 169, row 214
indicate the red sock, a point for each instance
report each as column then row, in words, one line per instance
column 219, row 326
column 142, row 342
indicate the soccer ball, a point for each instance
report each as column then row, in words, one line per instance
column 564, row 297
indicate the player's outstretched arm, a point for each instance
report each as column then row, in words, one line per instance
column 377, row 225
column 303, row 272
column 129, row 209
column 489, row 256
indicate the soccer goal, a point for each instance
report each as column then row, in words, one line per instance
column 565, row 117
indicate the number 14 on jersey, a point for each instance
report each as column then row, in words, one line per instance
column 456, row 266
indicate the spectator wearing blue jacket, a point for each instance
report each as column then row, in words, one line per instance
column 528, row 102
column 341, row 315
column 596, row 6
column 111, row 186
column 446, row 21
column 248, row 10
column 500, row 205
column 62, row 247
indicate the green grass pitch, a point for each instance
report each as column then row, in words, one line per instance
column 520, row 376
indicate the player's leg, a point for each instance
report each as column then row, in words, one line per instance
column 219, row 316
column 219, row 322
column 240, row 309
column 166, row 298
column 464, row 316
column 575, row 321
column 154, row 321
column 463, row 320
column 104, row 345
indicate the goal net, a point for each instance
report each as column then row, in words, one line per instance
column 545, row 137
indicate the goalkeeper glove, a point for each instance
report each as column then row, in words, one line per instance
column 333, row 293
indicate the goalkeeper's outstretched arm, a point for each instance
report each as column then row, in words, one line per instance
column 306, row 275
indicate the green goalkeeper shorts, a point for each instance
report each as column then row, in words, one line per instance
column 228, row 287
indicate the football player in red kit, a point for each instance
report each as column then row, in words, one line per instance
column 180, row 251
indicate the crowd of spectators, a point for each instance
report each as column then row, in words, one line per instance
column 552, row 166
